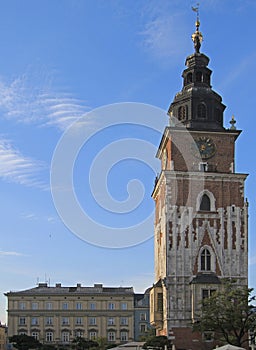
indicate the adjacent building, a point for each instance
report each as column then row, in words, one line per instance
column 3, row 336
column 201, row 214
column 141, row 315
column 56, row 315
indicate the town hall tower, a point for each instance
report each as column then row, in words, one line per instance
column 200, row 234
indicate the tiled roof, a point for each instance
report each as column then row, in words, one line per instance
column 43, row 288
column 206, row 278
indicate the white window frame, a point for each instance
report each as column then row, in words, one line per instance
column 111, row 336
column 92, row 321
column 34, row 305
column 49, row 337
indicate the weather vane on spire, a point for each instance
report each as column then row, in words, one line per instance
column 197, row 37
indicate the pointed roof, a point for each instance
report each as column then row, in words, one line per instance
column 197, row 106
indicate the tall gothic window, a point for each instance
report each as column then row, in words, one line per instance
column 205, row 203
column 205, row 260
column 201, row 111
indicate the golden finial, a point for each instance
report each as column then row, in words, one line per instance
column 197, row 37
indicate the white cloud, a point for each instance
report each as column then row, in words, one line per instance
column 3, row 253
column 30, row 98
column 164, row 33
column 17, row 168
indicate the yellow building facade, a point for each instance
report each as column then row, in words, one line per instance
column 56, row 315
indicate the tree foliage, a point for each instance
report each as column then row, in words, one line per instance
column 24, row 342
column 228, row 313
column 81, row 343
column 157, row 342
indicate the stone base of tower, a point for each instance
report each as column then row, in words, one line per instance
column 184, row 339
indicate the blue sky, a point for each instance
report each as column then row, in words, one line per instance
column 62, row 59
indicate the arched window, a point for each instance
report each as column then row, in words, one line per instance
column 182, row 113
column 199, row 76
column 201, row 111
column 189, row 78
column 205, row 260
column 205, row 204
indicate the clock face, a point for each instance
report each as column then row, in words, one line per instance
column 206, row 147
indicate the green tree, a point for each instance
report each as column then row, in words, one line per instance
column 157, row 342
column 81, row 343
column 24, row 342
column 228, row 314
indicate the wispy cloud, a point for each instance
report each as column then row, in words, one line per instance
column 31, row 98
column 3, row 253
column 164, row 30
column 17, row 168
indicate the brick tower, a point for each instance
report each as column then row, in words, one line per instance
column 200, row 232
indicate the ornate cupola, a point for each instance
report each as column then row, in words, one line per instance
column 197, row 106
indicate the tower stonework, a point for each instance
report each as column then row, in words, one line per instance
column 201, row 215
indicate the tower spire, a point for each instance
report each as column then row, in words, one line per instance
column 197, row 36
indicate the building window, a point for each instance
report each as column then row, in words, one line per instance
column 34, row 321
column 143, row 316
column 111, row 336
column 22, row 306
column 199, row 77
column 143, row 328
column 205, row 204
column 111, row 306
column 201, row 111
column 205, row 260
column 111, row 321
column 79, row 320
column 92, row 335
column 22, row 321
column 206, row 293
column 189, row 78
column 34, row 306
column 182, row 113
column 124, row 306
column 92, row 320
column 203, row 166
column 64, row 306
column 48, row 320
column 79, row 306
column 123, row 336
column 92, row 306
column 49, row 336
column 79, row 334
column 159, row 302
column 65, row 321
column 124, row 321
column 35, row 335
column 48, row 306
column 65, row 337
